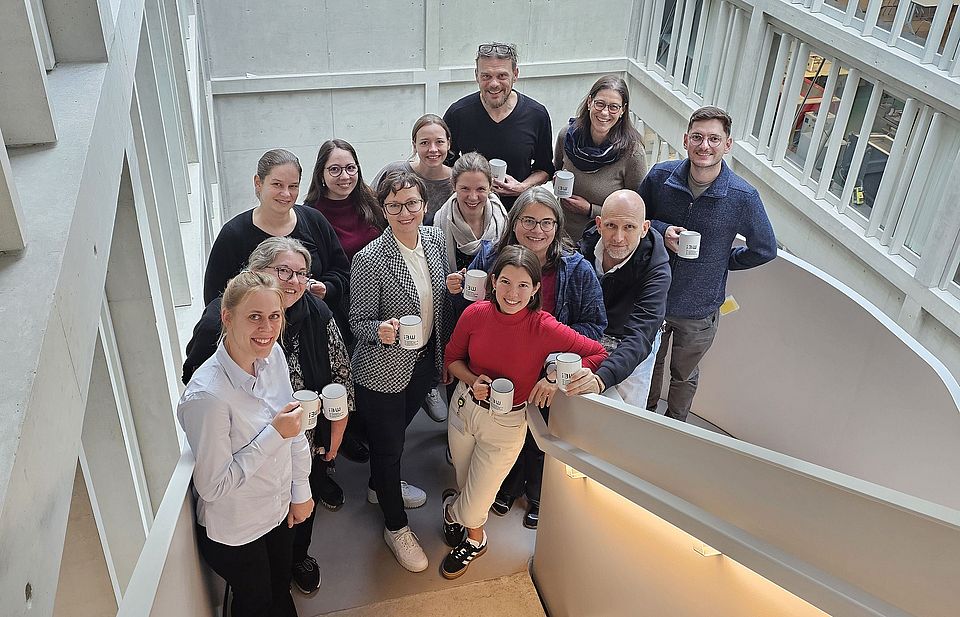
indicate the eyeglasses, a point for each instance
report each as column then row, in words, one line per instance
column 529, row 223
column 497, row 49
column 712, row 140
column 599, row 105
column 286, row 274
column 336, row 170
column 412, row 206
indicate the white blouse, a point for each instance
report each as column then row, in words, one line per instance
column 246, row 474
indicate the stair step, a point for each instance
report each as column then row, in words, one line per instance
column 506, row 596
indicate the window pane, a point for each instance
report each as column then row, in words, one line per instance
column 666, row 32
column 840, row 4
column 805, row 115
column 917, row 25
column 828, row 128
column 946, row 31
column 767, row 80
column 688, row 64
column 888, row 10
column 862, row 9
column 882, row 134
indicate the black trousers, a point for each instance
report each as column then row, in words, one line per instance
column 258, row 572
column 526, row 477
column 386, row 416
column 303, row 533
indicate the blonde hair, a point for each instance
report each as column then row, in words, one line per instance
column 241, row 286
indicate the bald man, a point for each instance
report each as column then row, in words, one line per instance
column 634, row 271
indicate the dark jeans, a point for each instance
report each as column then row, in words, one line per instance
column 304, row 531
column 526, row 477
column 688, row 340
column 258, row 572
column 386, row 416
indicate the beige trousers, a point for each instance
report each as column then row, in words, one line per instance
column 484, row 446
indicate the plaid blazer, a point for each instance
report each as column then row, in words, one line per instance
column 381, row 288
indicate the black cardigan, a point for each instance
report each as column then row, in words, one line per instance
column 239, row 236
column 635, row 296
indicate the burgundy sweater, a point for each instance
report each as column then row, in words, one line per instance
column 354, row 233
column 515, row 346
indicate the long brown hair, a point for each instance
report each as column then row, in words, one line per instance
column 361, row 196
column 623, row 136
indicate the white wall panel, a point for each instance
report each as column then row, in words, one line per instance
column 267, row 38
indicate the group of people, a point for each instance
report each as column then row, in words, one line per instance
column 303, row 295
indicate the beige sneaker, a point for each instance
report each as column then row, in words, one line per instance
column 406, row 548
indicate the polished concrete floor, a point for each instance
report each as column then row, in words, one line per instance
column 356, row 566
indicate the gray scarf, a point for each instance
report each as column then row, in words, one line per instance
column 458, row 232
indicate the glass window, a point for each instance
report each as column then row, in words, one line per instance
column 666, row 32
column 829, row 126
column 888, row 10
column 879, row 145
column 840, row 4
column 691, row 48
column 767, row 80
column 946, row 31
column 919, row 17
column 808, row 104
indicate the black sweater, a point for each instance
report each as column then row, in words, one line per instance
column 635, row 296
column 239, row 236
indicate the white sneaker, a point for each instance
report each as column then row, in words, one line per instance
column 406, row 548
column 435, row 406
column 413, row 497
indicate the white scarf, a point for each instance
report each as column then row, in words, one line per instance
column 458, row 233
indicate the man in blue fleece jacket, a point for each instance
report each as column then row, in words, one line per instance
column 701, row 194
column 634, row 271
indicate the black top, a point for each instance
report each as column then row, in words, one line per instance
column 239, row 236
column 635, row 296
column 523, row 139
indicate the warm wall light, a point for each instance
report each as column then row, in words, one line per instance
column 705, row 549
column 573, row 473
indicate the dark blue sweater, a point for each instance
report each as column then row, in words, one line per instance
column 730, row 206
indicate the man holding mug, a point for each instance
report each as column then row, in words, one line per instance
column 701, row 194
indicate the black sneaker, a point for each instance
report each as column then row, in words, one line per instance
column 452, row 532
column 330, row 494
column 532, row 517
column 354, row 450
column 457, row 561
column 502, row 504
column 306, row 575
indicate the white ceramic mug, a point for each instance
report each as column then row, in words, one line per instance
column 563, row 184
column 310, row 408
column 501, row 395
column 475, row 285
column 411, row 332
column 567, row 366
column 689, row 244
column 334, row 401
column 499, row 169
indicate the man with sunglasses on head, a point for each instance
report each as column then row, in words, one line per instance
column 701, row 194
column 501, row 123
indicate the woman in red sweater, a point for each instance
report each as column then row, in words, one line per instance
column 485, row 443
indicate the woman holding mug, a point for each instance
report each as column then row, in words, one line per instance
column 399, row 274
column 316, row 356
column 473, row 213
column 601, row 149
column 485, row 442
column 431, row 143
column 252, row 460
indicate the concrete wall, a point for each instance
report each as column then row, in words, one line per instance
column 366, row 75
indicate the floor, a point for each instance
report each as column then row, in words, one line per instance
column 356, row 566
